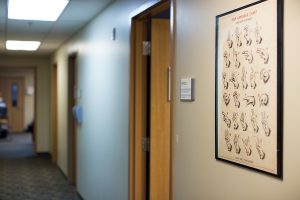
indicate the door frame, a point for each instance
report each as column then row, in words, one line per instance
column 146, row 10
column 54, row 107
column 72, row 128
column 34, row 70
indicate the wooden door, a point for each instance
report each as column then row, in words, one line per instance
column 160, row 110
column 12, row 89
column 141, row 113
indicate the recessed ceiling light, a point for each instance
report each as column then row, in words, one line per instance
column 41, row 10
column 22, row 45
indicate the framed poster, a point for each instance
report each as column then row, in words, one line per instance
column 249, row 86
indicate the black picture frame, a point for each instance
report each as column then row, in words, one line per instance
column 239, row 160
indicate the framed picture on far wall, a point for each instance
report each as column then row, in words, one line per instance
column 249, row 86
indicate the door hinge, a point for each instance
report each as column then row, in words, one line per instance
column 146, row 48
column 146, row 144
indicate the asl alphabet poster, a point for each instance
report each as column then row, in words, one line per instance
column 247, row 86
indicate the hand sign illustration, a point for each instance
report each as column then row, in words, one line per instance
column 259, row 149
column 227, row 140
column 263, row 99
column 227, row 59
column 244, row 78
column 229, row 41
column 248, row 56
column 226, row 98
column 250, row 100
column 254, row 121
column 247, row 146
column 225, row 80
column 236, row 96
column 234, row 80
column 263, row 53
column 236, row 59
column 264, row 123
column 235, row 120
column 237, row 144
column 257, row 34
column 265, row 75
column 247, row 35
column 238, row 37
column 244, row 121
column 226, row 119
column 253, row 79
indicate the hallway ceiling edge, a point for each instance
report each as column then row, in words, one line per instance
column 51, row 34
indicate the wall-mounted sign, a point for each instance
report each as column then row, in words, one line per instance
column 30, row 91
column 187, row 89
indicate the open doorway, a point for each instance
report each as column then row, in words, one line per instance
column 151, row 95
column 17, row 117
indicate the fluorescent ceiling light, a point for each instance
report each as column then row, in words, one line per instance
column 41, row 10
column 22, row 45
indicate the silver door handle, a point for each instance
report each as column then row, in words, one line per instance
column 169, row 83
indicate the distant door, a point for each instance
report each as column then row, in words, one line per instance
column 12, row 89
column 72, row 127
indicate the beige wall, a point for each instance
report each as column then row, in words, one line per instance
column 198, row 176
column 43, row 94
column 62, row 110
column 28, row 75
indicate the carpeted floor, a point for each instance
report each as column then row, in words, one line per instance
column 33, row 178
column 16, row 145
column 28, row 177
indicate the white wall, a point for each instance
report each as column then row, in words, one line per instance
column 103, row 138
column 197, row 174
column 43, row 94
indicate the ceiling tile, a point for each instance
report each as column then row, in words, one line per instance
column 2, row 9
column 64, row 27
column 28, row 27
column 74, row 11
column 22, row 36
column 47, row 45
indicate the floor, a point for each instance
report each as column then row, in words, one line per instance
column 29, row 177
column 17, row 145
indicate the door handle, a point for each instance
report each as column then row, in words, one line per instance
column 169, row 83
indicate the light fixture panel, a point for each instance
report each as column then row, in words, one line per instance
column 40, row 10
column 18, row 45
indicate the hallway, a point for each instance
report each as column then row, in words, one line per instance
column 33, row 178
column 146, row 99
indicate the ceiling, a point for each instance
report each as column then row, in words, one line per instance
column 51, row 34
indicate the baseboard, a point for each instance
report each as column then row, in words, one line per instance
column 43, row 154
column 62, row 173
column 80, row 197
column 65, row 176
